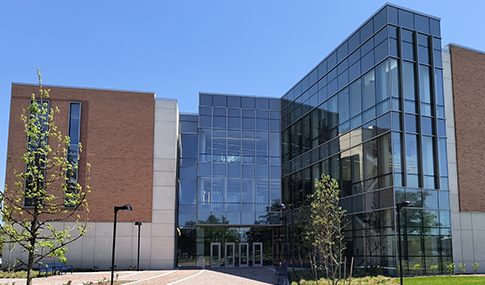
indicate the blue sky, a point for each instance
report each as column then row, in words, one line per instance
column 178, row 48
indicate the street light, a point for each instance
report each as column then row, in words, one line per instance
column 117, row 208
column 282, row 207
column 405, row 204
column 138, row 260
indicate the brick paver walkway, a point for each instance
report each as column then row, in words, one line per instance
column 220, row 276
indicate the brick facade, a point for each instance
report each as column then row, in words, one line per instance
column 468, row 68
column 117, row 133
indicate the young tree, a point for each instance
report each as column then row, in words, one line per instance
column 324, row 230
column 45, row 191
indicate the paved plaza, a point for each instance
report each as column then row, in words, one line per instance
column 233, row 276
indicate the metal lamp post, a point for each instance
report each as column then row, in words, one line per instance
column 117, row 208
column 138, row 260
column 282, row 206
column 405, row 204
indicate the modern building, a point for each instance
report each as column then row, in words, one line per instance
column 388, row 113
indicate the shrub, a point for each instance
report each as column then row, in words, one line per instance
column 450, row 268
column 462, row 267
column 416, row 268
column 475, row 267
column 433, row 269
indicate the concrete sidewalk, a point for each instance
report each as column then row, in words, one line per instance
column 233, row 276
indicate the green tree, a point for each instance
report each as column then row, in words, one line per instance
column 44, row 191
column 324, row 230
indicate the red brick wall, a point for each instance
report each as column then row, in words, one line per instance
column 117, row 132
column 468, row 74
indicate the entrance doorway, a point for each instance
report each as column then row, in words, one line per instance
column 257, row 254
column 228, row 259
column 243, row 254
column 229, row 256
column 215, row 254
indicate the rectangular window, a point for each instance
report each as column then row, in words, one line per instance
column 73, row 154
column 38, row 118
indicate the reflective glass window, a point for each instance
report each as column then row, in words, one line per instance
column 188, row 127
column 247, row 191
column 396, row 152
column 234, row 169
column 219, row 169
column 343, row 97
column 367, row 61
column 205, row 141
column 248, row 147
column 439, row 87
column 262, row 124
column 262, row 103
column 187, row 191
column 234, row 101
column 411, row 125
column 234, row 123
column 411, row 154
column 189, row 145
column 426, row 126
column 218, row 193
column 219, row 122
column 205, row 100
column 406, row 19
column 443, row 157
column 441, row 128
column 219, row 112
column 274, row 125
column 423, row 54
column 261, row 140
column 248, row 102
column 234, row 113
column 408, row 76
column 219, row 100
column 428, row 155
column 205, row 169
column 407, row 51
column 422, row 23
column 205, row 121
column 205, row 111
column 355, row 98
column 369, row 90
column 248, row 124
column 367, row 30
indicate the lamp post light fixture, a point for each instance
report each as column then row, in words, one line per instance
column 138, row 259
column 405, row 204
column 117, row 208
column 283, row 207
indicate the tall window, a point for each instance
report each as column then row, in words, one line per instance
column 35, row 168
column 73, row 153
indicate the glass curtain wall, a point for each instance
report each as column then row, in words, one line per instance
column 371, row 115
column 239, row 172
column 187, row 190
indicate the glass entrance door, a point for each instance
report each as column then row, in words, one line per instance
column 215, row 254
column 243, row 254
column 257, row 254
column 229, row 254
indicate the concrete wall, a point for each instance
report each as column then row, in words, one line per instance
column 163, row 239
column 467, row 227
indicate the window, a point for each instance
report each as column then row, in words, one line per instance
column 38, row 117
column 73, row 154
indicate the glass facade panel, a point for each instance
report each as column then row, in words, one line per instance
column 249, row 161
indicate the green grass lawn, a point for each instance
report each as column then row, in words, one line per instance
column 445, row 280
